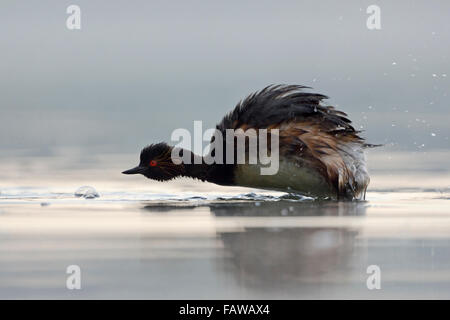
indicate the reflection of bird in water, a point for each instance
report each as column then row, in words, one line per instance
column 274, row 256
column 320, row 153
column 289, row 256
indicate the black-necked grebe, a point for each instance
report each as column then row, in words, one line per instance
column 320, row 153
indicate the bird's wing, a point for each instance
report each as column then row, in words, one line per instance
column 282, row 103
column 319, row 134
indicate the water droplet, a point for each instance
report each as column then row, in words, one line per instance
column 86, row 192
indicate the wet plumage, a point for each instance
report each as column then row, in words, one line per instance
column 321, row 154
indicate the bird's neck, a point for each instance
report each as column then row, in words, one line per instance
column 195, row 168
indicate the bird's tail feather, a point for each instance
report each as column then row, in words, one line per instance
column 370, row 145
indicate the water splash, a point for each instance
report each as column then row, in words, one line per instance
column 86, row 192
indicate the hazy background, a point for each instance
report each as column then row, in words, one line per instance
column 76, row 107
column 137, row 70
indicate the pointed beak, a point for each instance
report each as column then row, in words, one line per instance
column 135, row 170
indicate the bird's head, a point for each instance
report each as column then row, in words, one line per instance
column 156, row 163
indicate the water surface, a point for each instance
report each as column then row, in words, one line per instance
column 186, row 239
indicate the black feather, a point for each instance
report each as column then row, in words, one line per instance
column 153, row 151
column 282, row 103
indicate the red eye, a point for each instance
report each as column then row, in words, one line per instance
column 153, row 163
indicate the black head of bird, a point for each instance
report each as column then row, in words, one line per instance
column 156, row 163
column 320, row 153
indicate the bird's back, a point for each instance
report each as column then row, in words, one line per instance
column 318, row 140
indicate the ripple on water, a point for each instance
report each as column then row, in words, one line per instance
column 46, row 197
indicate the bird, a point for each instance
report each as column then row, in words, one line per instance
column 321, row 155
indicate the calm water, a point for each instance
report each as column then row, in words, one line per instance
column 185, row 239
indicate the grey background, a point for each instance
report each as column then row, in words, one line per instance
column 137, row 70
